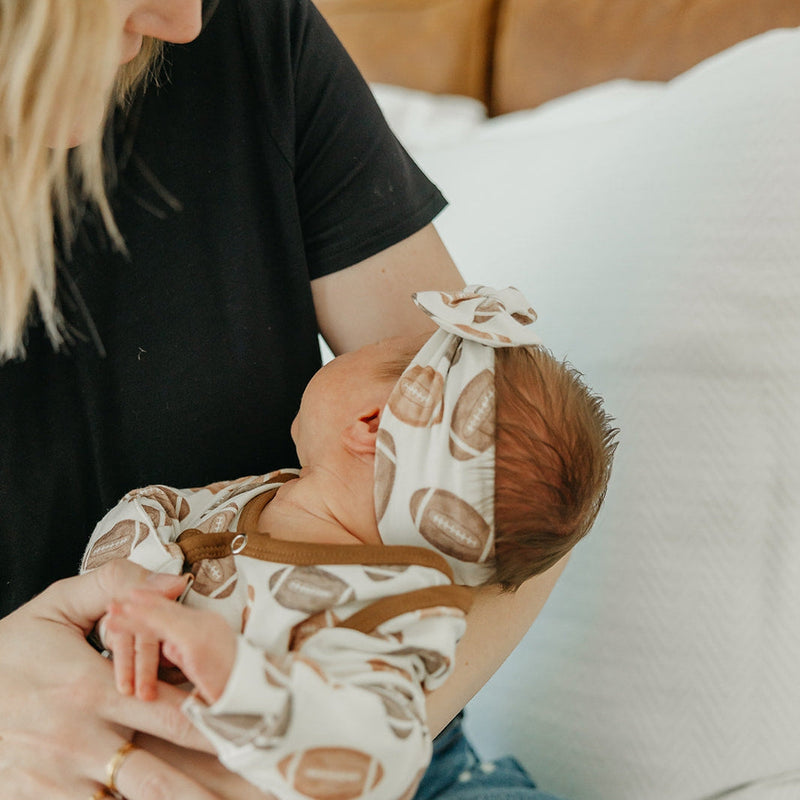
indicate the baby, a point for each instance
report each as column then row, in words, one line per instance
column 477, row 459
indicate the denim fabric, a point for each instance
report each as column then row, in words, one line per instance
column 457, row 773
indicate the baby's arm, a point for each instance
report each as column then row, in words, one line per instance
column 347, row 707
column 143, row 527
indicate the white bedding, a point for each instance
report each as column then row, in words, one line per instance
column 656, row 229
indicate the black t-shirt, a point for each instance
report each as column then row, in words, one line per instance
column 260, row 163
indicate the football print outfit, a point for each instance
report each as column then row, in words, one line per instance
column 337, row 644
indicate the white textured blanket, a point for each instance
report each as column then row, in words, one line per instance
column 661, row 245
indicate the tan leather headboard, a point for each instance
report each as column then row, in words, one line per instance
column 440, row 46
column 515, row 54
column 546, row 48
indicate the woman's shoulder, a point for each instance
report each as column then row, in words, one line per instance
column 274, row 19
column 283, row 41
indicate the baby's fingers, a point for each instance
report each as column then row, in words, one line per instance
column 199, row 642
column 136, row 654
column 121, row 644
column 149, row 614
column 146, row 659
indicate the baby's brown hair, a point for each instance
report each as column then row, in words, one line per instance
column 553, row 453
column 554, row 445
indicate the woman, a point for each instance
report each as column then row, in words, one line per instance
column 203, row 236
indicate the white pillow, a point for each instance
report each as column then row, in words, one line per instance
column 420, row 119
column 660, row 244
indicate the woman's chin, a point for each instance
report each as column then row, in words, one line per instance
column 76, row 138
column 133, row 47
column 87, row 127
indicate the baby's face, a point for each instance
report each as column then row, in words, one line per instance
column 345, row 389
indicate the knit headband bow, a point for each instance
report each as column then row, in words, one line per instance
column 434, row 461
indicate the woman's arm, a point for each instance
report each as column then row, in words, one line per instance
column 356, row 306
column 371, row 300
column 368, row 302
column 495, row 624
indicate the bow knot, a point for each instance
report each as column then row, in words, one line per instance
column 497, row 318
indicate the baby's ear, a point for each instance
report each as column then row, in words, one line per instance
column 359, row 437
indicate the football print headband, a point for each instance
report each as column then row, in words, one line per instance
column 434, row 459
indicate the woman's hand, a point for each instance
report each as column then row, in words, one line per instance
column 61, row 717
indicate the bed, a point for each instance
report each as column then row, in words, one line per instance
column 634, row 167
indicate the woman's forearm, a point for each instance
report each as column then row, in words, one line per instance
column 204, row 768
column 495, row 624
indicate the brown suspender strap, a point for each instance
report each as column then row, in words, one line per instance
column 374, row 615
column 198, row 545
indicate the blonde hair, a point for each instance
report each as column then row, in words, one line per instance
column 59, row 66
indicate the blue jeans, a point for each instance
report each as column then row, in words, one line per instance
column 457, row 773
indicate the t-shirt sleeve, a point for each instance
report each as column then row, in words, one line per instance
column 358, row 190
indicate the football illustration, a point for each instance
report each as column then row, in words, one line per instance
column 451, row 525
column 399, row 710
column 254, row 729
column 173, row 505
column 308, row 589
column 473, row 424
column 219, row 521
column 384, row 572
column 417, row 397
column 116, row 543
column 215, row 577
column 331, row 773
column 385, row 467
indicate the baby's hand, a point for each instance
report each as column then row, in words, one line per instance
column 200, row 643
column 137, row 655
